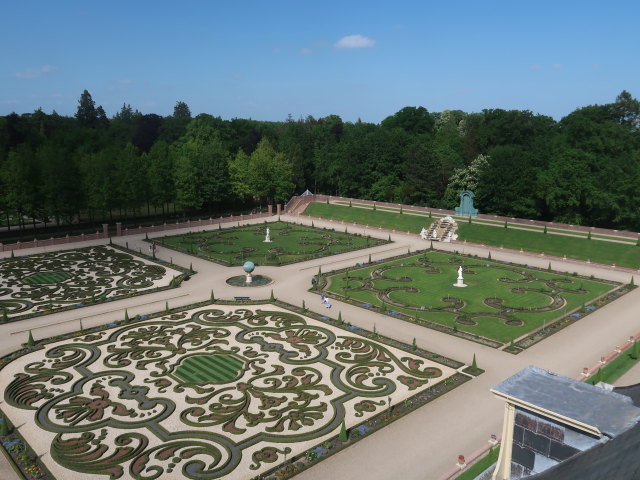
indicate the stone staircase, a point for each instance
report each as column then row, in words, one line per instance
column 443, row 230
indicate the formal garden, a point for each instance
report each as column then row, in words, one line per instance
column 48, row 282
column 211, row 391
column 289, row 243
column 501, row 302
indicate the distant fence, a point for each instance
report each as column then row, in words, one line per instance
column 104, row 234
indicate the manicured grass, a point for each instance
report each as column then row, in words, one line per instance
column 374, row 218
column 209, row 369
column 289, row 243
column 623, row 255
column 556, row 245
column 481, row 465
column 46, row 277
column 421, row 286
column 616, row 368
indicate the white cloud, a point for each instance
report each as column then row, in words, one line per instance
column 305, row 51
column 556, row 65
column 535, row 67
column 355, row 41
column 36, row 73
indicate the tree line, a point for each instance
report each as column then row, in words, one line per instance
column 583, row 169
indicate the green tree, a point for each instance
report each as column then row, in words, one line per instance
column 161, row 175
column 181, row 111
column 265, row 174
column 415, row 120
column 465, row 179
column 87, row 114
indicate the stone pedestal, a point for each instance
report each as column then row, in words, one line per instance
column 249, row 278
column 459, row 283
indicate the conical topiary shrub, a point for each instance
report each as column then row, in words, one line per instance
column 126, row 315
column 213, row 298
column 272, row 298
column 31, row 342
column 343, row 437
column 474, row 365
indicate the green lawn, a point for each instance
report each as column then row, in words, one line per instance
column 618, row 367
column 501, row 302
column 377, row 218
column 289, row 243
column 597, row 251
column 481, row 465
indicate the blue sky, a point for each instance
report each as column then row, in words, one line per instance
column 357, row 59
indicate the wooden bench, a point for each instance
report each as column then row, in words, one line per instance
column 242, row 299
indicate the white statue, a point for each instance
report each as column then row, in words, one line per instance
column 423, row 233
column 267, row 238
column 460, row 282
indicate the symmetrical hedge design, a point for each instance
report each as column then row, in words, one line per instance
column 42, row 283
column 502, row 301
column 116, row 402
column 289, row 243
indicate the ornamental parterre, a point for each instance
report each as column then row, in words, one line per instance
column 42, row 283
column 212, row 392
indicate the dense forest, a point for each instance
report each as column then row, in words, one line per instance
column 583, row 169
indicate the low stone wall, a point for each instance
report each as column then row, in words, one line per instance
column 104, row 235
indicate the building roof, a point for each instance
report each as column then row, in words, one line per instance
column 578, row 404
column 616, row 459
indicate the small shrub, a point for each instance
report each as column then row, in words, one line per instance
column 343, row 437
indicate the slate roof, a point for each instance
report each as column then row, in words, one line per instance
column 610, row 412
column 616, row 459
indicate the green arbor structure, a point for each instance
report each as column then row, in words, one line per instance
column 466, row 208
